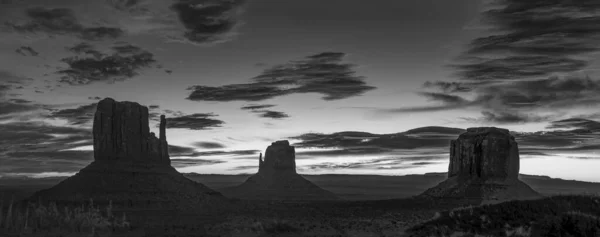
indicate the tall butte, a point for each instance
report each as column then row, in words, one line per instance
column 484, row 166
column 277, row 179
column 131, row 166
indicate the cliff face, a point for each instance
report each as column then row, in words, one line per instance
column 484, row 153
column 484, row 165
column 121, row 132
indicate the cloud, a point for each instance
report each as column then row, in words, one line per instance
column 208, row 145
column 198, row 121
column 378, row 164
column 10, row 107
column 34, row 147
column 531, row 62
column 181, row 163
column 62, row 21
column 508, row 117
column 255, row 107
column 272, row 114
column 448, row 87
column 41, row 162
column 76, row 116
column 365, row 143
column 242, row 92
column 208, row 21
column 444, row 98
column 26, row 51
column 322, row 73
column 182, row 151
column 532, row 40
column 91, row 65
column 575, row 123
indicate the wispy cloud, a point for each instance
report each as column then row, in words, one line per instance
column 198, row 121
column 62, row 21
column 124, row 61
column 322, row 73
column 531, row 63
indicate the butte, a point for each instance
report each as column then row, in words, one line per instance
column 484, row 166
column 277, row 179
column 131, row 166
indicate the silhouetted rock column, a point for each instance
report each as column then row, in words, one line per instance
column 279, row 157
column 121, row 132
column 486, row 153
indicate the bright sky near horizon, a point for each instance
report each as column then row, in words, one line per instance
column 233, row 76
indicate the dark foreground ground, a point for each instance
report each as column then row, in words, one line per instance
column 365, row 212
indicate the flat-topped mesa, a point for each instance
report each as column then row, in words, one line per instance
column 484, row 153
column 484, row 166
column 121, row 133
column 279, row 157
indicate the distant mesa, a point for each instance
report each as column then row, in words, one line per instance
column 277, row 179
column 484, row 165
column 131, row 166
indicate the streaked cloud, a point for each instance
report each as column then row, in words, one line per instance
column 323, row 73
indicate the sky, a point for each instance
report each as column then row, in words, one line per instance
column 377, row 88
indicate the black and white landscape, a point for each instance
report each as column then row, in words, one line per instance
column 299, row 118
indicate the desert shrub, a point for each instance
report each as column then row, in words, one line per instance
column 575, row 214
column 278, row 226
column 36, row 217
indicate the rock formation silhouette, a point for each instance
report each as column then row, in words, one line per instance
column 131, row 167
column 121, row 132
column 484, row 165
column 277, row 179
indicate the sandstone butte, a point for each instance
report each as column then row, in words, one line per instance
column 484, row 166
column 277, row 179
column 131, row 166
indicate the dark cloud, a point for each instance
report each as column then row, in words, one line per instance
column 272, row 114
column 182, row 151
column 20, row 101
column 520, row 101
column 208, row 21
column 380, row 164
column 34, row 147
column 153, row 107
column 124, row 5
column 76, row 116
column 448, row 87
column 62, row 21
column 9, row 107
column 508, row 117
column 182, row 163
column 533, row 39
column 361, row 142
column 198, row 121
column 26, row 51
column 322, row 73
column 560, row 140
column 243, row 92
column 91, row 65
column 71, row 155
column 575, row 123
column 208, row 145
column 94, row 98
column 444, row 98
column 255, row 107
column 531, row 62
